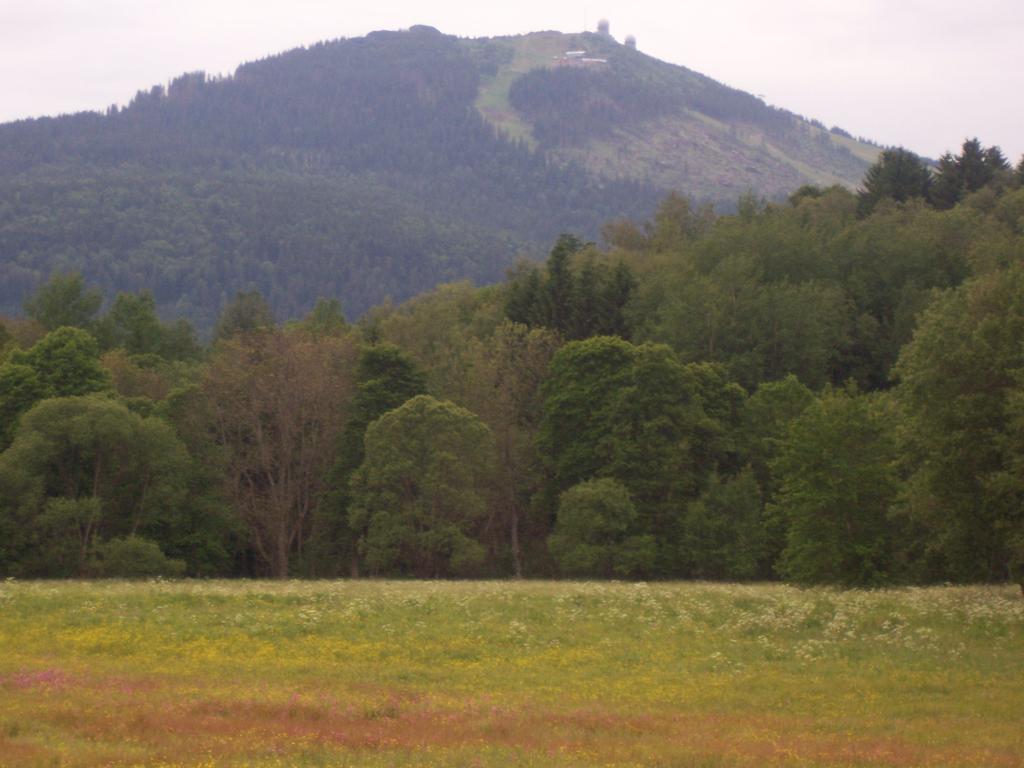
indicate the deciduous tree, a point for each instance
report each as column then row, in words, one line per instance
column 836, row 475
column 64, row 363
column 67, row 363
column 64, row 300
column 958, row 388
column 503, row 388
column 277, row 401
column 636, row 414
column 421, row 491
column 82, row 468
column 385, row 378
column 247, row 313
column 596, row 532
column 724, row 535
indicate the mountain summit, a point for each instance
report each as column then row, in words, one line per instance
column 382, row 165
column 623, row 114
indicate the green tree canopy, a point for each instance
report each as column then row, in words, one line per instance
column 84, row 468
column 421, row 491
column 836, row 480
column 636, row 414
column 6, row 340
column 326, row 318
column 958, row 383
column 133, row 557
column 576, row 295
column 898, row 175
column 947, row 185
column 506, row 371
column 595, row 532
column 20, row 388
column 724, row 535
column 385, row 378
column 67, row 362
column 64, row 363
column 584, row 380
column 974, row 168
column 132, row 325
column 247, row 313
column 64, row 300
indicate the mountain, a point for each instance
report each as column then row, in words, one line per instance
column 621, row 113
column 380, row 166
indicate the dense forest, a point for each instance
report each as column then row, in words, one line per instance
column 826, row 390
column 357, row 167
column 360, row 169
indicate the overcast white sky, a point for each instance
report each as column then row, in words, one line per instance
column 924, row 74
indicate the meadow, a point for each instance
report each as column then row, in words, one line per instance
column 370, row 673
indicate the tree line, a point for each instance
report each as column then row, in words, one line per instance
column 820, row 390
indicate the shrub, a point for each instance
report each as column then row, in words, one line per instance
column 133, row 557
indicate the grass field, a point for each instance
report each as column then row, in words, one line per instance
column 500, row 674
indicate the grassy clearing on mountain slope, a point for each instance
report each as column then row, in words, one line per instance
column 527, row 53
column 493, row 674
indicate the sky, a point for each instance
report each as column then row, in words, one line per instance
column 923, row 74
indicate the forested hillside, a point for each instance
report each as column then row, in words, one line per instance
column 825, row 390
column 379, row 167
column 356, row 169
